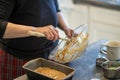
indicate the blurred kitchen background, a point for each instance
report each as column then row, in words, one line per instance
column 101, row 16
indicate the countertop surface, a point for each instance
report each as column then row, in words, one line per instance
column 85, row 65
column 111, row 4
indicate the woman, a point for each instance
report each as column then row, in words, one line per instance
column 17, row 18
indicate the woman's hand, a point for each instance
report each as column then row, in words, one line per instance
column 69, row 32
column 50, row 32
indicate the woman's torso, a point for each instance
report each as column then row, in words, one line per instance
column 36, row 13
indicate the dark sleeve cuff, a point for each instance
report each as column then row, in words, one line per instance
column 3, row 25
column 57, row 6
column 58, row 10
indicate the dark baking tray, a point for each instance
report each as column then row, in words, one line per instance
column 31, row 65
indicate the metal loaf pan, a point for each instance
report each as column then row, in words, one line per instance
column 31, row 65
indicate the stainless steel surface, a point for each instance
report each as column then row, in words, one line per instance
column 111, row 69
column 100, row 61
column 114, row 2
column 111, row 4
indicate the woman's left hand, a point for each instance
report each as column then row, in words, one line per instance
column 69, row 32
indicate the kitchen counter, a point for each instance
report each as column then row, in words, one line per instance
column 111, row 4
column 85, row 65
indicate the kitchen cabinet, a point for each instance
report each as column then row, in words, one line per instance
column 79, row 15
column 104, row 24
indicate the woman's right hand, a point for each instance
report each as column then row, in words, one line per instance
column 50, row 32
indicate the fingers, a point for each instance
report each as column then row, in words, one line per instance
column 70, row 33
column 49, row 35
column 56, row 34
column 52, row 33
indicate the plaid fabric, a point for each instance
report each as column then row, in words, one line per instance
column 10, row 67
